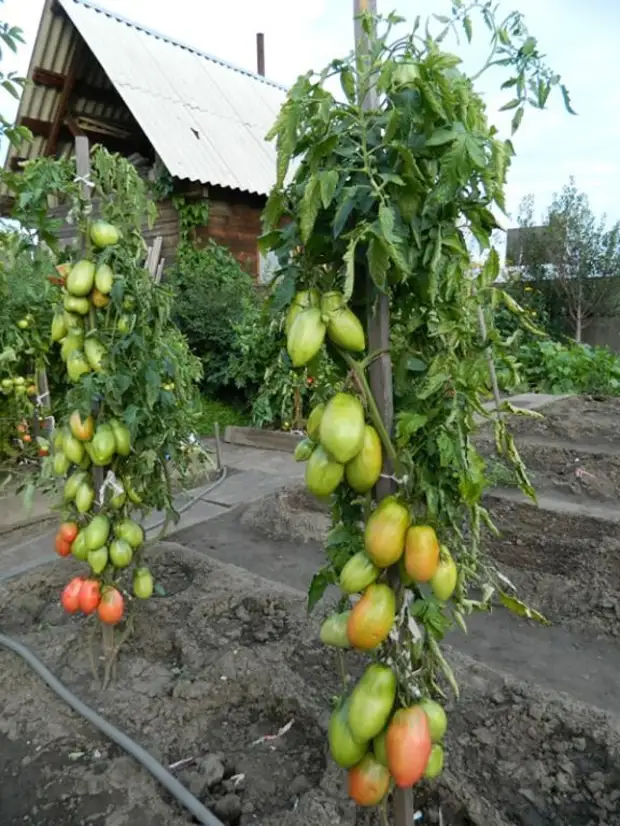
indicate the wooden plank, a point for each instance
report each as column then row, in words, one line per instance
column 262, row 439
column 96, row 94
column 65, row 97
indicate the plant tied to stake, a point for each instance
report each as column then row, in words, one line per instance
column 133, row 385
column 384, row 200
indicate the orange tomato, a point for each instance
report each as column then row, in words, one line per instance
column 421, row 553
column 368, row 782
column 68, row 531
column 63, row 548
column 90, row 595
column 82, row 430
column 98, row 298
column 372, row 618
column 408, row 746
column 27, row 438
column 70, row 597
column 111, row 607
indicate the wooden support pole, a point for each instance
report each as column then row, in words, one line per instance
column 82, row 163
column 378, row 326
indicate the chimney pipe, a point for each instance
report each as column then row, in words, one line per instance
column 260, row 53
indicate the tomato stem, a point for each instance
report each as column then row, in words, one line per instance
column 342, row 669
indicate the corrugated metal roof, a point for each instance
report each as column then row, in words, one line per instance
column 205, row 118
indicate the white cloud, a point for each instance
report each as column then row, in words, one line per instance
column 581, row 44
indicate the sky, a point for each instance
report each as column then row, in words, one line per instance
column 579, row 38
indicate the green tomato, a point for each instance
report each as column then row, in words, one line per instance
column 358, row 573
column 98, row 560
column 345, row 750
column 437, row 719
column 334, row 630
column 143, row 584
column 371, row 702
column 121, row 553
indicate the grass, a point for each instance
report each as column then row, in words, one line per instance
column 213, row 410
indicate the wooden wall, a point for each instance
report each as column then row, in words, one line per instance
column 234, row 221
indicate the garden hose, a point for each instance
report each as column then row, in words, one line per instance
column 195, row 499
column 176, row 789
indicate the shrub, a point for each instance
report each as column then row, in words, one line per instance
column 216, row 303
column 553, row 367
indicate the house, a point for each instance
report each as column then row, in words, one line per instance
column 163, row 104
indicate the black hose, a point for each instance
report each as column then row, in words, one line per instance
column 176, row 789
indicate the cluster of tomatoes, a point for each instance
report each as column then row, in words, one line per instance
column 370, row 735
column 87, row 596
column 101, row 534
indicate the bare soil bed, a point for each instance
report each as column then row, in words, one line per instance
column 582, row 419
column 226, row 659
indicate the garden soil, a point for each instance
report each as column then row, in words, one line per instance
column 224, row 677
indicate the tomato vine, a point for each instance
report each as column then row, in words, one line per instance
column 132, row 402
column 390, row 200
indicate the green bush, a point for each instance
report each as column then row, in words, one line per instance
column 553, row 367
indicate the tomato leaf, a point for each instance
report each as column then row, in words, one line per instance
column 519, row 608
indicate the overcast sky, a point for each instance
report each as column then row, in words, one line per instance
column 580, row 39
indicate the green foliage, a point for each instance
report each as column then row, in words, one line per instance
column 217, row 307
column 387, row 189
column 154, row 352
column 11, row 82
column 552, row 367
column 212, row 411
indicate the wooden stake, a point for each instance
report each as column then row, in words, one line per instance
column 82, row 163
column 378, row 326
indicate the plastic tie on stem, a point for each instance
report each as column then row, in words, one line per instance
column 112, row 482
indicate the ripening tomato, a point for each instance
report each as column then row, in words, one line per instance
column 421, row 553
column 68, row 531
column 90, row 595
column 63, row 548
column 27, row 438
column 368, row 782
column 111, row 607
column 82, row 429
column 408, row 746
column 384, row 535
column 70, row 597
column 372, row 618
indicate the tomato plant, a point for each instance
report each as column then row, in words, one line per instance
column 128, row 412
column 380, row 197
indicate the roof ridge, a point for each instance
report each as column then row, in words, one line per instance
column 180, row 44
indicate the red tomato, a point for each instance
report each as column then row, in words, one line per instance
column 90, row 595
column 63, row 548
column 368, row 782
column 27, row 438
column 44, row 451
column 68, row 531
column 408, row 746
column 70, row 597
column 111, row 607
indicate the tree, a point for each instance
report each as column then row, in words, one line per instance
column 573, row 259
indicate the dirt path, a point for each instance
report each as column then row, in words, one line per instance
column 555, row 658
